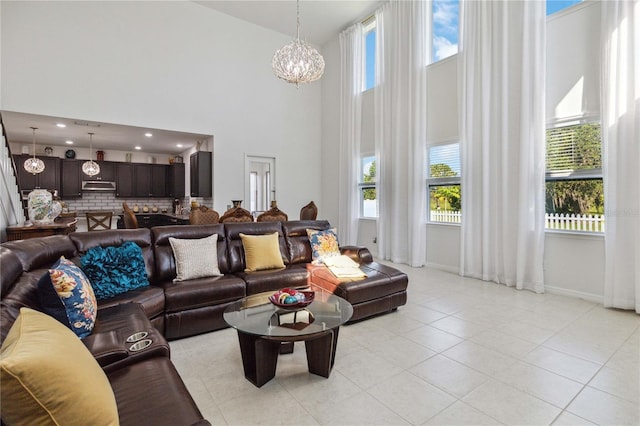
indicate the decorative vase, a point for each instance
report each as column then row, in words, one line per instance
column 136, row 209
column 100, row 155
column 154, row 209
column 145, row 209
column 42, row 209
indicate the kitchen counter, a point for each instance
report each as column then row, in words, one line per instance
column 149, row 220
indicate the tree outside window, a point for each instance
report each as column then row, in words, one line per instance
column 574, row 187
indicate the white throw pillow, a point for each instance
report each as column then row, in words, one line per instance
column 195, row 258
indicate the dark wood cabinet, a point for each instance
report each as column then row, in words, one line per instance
column 124, row 180
column 142, row 180
column 158, row 180
column 200, row 174
column 150, row 180
column 175, row 181
column 71, row 186
column 72, row 176
column 107, row 172
column 48, row 179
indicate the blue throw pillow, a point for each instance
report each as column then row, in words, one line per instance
column 66, row 294
column 115, row 270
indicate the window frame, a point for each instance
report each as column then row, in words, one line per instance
column 432, row 36
column 441, row 181
column 369, row 25
column 362, row 185
column 595, row 173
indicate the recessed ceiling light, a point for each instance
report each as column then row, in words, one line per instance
column 138, row 147
column 179, row 145
column 148, row 134
column 61, row 125
column 69, row 142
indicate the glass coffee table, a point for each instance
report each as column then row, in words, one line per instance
column 263, row 328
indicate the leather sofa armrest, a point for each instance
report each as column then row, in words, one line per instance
column 105, row 347
column 357, row 253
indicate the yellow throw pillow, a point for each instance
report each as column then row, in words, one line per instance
column 261, row 252
column 50, row 377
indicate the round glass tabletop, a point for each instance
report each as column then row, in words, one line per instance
column 257, row 315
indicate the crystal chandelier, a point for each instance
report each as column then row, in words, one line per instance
column 34, row 165
column 298, row 62
column 90, row 168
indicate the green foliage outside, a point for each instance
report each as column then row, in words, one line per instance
column 569, row 149
column 370, row 193
column 444, row 197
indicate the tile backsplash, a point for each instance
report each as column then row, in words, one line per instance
column 107, row 201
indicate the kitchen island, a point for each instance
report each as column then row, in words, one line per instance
column 149, row 220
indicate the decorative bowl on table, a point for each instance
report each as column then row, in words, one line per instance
column 288, row 298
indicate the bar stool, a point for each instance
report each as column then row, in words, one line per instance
column 99, row 220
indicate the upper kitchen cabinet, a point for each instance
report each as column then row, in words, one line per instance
column 107, row 172
column 200, row 174
column 124, row 180
column 71, row 186
column 48, row 179
column 150, row 180
column 73, row 176
column 175, row 180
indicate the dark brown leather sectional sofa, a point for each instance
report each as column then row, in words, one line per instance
column 171, row 310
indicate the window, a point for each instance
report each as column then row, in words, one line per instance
column 444, row 40
column 368, row 195
column 554, row 6
column 574, row 191
column 370, row 54
column 444, row 183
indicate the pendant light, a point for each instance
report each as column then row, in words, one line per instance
column 34, row 165
column 298, row 62
column 90, row 168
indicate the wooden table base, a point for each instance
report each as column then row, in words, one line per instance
column 260, row 354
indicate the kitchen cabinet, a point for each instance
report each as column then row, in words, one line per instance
column 175, row 180
column 200, row 174
column 72, row 176
column 150, row 180
column 124, row 180
column 71, row 185
column 48, row 179
column 107, row 172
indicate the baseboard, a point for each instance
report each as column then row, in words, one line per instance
column 590, row 297
column 446, row 268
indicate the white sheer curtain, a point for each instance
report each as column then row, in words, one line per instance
column 620, row 105
column 351, row 85
column 402, row 28
column 502, row 81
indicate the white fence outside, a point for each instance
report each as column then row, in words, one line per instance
column 565, row 222
column 575, row 222
column 448, row 216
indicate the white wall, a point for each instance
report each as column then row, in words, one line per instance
column 171, row 65
column 573, row 263
column 329, row 183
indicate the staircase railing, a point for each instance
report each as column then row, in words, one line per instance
column 11, row 211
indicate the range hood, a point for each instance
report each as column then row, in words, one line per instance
column 98, row 185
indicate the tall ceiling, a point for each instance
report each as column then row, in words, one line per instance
column 320, row 21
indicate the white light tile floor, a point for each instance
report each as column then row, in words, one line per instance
column 461, row 352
